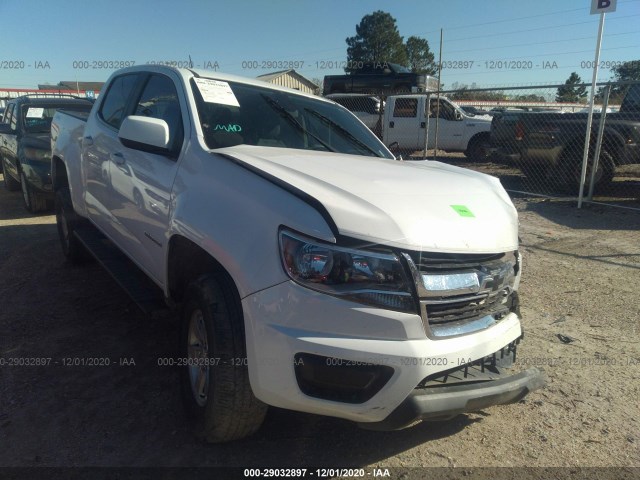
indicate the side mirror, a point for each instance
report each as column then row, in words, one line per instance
column 458, row 116
column 145, row 133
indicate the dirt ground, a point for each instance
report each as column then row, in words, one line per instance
column 581, row 279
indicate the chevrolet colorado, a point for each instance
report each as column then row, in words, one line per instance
column 312, row 270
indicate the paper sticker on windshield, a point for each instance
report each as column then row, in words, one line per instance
column 462, row 210
column 216, row 91
column 35, row 112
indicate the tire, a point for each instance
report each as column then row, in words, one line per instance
column 34, row 202
column 478, row 149
column 67, row 221
column 218, row 398
column 10, row 183
column 571, row 171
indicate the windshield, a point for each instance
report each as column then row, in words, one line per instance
column 271, row 118
column 399, row 68
column 38, row 119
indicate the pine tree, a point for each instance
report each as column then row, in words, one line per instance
column 572, row 91
column 377, row 40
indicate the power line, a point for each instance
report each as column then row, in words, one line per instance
column 521, row 18
column 501, row 34
column 503, row 47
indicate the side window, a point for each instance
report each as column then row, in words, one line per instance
column 13, row 121
column 8, row 113
column 446, row 110
column 159, row 99
column 113, row 106
column 405, row 107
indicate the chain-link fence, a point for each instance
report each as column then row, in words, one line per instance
column 532, row 138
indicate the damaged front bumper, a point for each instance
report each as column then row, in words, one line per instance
column 470, row 388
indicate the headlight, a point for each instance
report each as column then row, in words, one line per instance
column 371, row 278
column 36, row 153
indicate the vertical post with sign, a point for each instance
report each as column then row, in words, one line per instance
column 600, row 7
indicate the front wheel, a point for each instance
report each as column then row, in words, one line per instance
column 479, row 149
column 215, row 377
column 33, row 201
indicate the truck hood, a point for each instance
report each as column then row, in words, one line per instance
column 416, row 205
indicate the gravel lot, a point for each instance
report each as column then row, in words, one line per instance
column 581, row 279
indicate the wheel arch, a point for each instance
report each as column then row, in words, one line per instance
column 186, row 261
column 477, row 137
column 610, row 140
column 59, row 175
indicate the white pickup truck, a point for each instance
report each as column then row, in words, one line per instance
column 406, row 118
column 312, row 270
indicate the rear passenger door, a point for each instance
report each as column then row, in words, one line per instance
column 141, row 182
column 405, row 123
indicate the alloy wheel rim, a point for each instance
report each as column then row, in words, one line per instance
column 198, row 354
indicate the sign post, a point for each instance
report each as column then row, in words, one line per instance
column 597, row 7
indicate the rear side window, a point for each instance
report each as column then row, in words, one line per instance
column 159, row 99
column 113, row 106
column 357, row 104
column 8, row 113
column 13, row 120
column 405, row 107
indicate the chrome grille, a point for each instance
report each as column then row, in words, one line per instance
column 456, row 289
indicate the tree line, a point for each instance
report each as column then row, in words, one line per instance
column 378, row 40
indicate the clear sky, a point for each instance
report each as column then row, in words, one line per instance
column 503, row 42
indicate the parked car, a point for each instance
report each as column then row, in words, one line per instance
column 367, row 108
column 550, row 146
column 313, row 271
column 379, row 78
column 25, row 147
column 405, row 126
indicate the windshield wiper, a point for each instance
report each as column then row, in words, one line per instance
column 293, row 121
column 343, row 131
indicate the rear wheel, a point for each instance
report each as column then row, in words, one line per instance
column 571, row 170
column 215, row 380
column 10, row 183
column 33, row 201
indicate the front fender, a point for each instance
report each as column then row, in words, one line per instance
column 235, row 215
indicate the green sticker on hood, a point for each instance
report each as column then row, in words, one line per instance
column 463, row 211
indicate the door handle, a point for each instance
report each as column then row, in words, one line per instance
column 117, row 158
column 391, row 124
column 87, row 141
column 423, row 124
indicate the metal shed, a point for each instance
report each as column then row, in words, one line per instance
column 290, row 79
